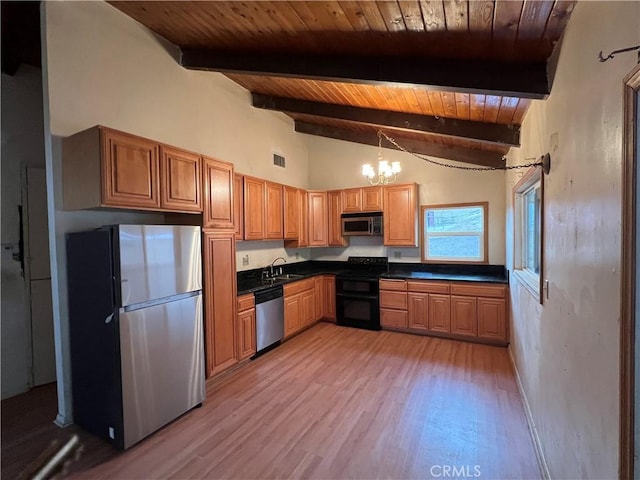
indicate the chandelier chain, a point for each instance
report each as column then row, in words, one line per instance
column 475, row 169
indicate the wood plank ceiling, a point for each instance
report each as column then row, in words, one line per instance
column 452, row 78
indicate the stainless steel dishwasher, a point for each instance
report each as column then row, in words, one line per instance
column 269, row 317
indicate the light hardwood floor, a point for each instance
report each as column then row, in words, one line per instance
column 336, row 402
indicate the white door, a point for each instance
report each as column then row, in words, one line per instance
column 39, row 277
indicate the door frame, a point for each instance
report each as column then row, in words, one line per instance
column 628, row 274
column 27, row 268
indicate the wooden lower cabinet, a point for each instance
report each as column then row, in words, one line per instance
column 299, row 305
column 464, row 316
column 439, row 313
column 318, row 297
column 246, row 326
column 492, row 314
column 431, row 307
column 292, row 315
column 307, row 307
column 393, row 318
column 220, row 301
column 418, row 310
column 329, row 297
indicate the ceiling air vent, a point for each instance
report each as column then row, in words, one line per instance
column 278, row 160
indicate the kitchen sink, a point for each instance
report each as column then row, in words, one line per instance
column 289, row 276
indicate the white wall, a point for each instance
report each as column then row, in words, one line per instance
column 335, row 164
column 102, row 67
column 567, row 351
column 22, row 145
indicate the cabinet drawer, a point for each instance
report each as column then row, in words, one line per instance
column 299, row 286
column 393, row 300
column 245, row 302
column 399, row 285
column 393, row 318
column 428, row 287
column 478, row 290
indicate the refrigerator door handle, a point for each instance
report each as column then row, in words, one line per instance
column 109, row 317
column 160, row 301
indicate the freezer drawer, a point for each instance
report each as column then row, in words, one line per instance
column 162, row 362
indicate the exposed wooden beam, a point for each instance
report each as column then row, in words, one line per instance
column 450, row 127
column 520, row 79
column 459, row 154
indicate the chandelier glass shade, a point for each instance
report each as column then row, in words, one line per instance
column 387, row 172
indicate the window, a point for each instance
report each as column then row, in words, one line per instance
column 454, row 233
column 528, row 208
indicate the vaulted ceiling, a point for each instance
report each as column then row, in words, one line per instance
column 451, row 79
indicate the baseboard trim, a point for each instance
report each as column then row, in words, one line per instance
column 62, row 421
column 537, row 445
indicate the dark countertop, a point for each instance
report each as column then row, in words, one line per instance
column 459, row 277
column 251, row 281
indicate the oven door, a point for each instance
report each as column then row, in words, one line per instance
column 360, row 311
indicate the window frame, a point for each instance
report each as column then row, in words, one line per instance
column 531, row 280
column 484, row 236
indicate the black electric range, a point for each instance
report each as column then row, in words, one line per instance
column 357, row 303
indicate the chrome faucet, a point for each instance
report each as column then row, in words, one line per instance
column 271, row 270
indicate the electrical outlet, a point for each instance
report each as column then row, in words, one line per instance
column 397, row 254
column 245, row 260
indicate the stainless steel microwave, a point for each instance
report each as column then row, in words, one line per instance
column 369, row 224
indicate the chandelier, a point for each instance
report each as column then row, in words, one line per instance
column 387, row 173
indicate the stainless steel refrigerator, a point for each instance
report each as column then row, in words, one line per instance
column 136, row 330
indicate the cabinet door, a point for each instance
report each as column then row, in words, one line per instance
column 329, row 297
column 318, row 219
column 393, row 318
column 303, row 238
column 334, row 205
column 318, row 297
column 292, row 314
column 291, row 205
column 352, row 200
column 464, row 316
column 246, row 333
column 418, row 310
column 372, row 199
column 238, row 206
column 308, row 307
column 181, row 180
column 492, row 319
column 253, row 208
column 401, row 215
column 439, row 313
column 220, row 301
column 219, row 187
column 130, row 171
column 273, row 211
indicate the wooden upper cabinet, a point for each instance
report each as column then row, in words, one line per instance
column 401, row 215
column 238, row 206
column 334, row 206
column 291, row 207
column 254, row 196
column 273, row 211
column 303, row 236
column 107, row 168
column 130, row 172
column 219, row 187
column 318, row 219
column 364, row 199
column 352, row 200
column 181, row 175
column 372, row 199
column 220, row 301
